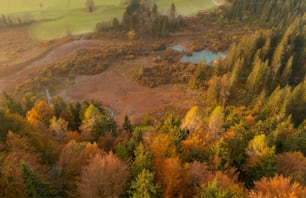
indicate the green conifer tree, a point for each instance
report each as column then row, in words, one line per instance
column 143, row 186
column 35, row 187
column 142, row 160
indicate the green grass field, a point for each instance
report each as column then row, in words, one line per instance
column 61, row 17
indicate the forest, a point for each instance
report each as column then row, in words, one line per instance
column 245, row 138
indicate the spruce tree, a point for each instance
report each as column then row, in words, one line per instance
column 143, row 186
column 35, row 187
column 142, row 160
column 127, row 124
column 285, row 76
column 256, row 79
column 11, row 105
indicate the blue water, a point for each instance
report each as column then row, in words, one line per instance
column 177, row 48
column 198, row 57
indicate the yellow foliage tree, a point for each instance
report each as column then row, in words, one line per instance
column 193, row 120
column 131, row 35
column 40, row 113
column 216, row 121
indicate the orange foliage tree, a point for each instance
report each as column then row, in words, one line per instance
column 105, row 176
column 277, row 186
column 172, row 178
column 18, row 151
column 73, row 158
column 292, row 164
column 41, row 112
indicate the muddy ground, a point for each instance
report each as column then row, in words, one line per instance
column 115, row 88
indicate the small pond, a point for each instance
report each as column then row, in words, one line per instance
column 177, row 48
column 198, row 57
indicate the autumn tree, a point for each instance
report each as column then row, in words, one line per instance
column 96, row 124
column 18, row 149
column 92, row 117
column 195, row 146
column 277, row 186
column 40, row 113
column 162, row 148
column 292, row 164
column 216, row 121
column 73, row 157
column 172, row 178
column 193, row 120
column 214, row 189
column 261, row 161
column 198, row 174
column 11, row 183
column 105, row 176
column 21, row 127
column 59, row 127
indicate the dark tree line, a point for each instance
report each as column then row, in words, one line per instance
column 146, row 21
column 9, row 20
column 269, row 12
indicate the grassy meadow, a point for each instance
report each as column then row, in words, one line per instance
column 58, row 18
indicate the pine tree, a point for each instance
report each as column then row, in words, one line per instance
column 172, row 13
column 155, row 9
column 286, row 74
column 235, row 76
column 11, row 105
column 142, row 160
column 214, row 189
column 143, row 186
column 164, row 26
column 257, row 79
column 59, row 106
column 127, row 124
column 297, row 104
column 35, row 187
column 261, row 161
